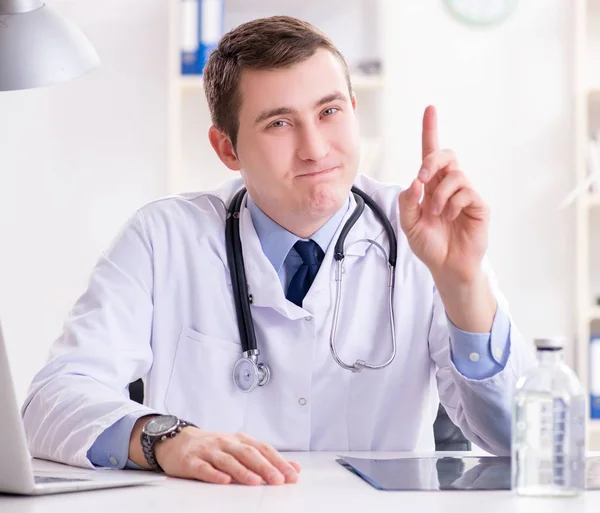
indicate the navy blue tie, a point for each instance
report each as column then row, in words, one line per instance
column 312, row 256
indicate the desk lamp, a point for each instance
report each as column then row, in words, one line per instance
column 39, row 48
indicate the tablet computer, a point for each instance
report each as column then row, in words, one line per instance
column 445, row 473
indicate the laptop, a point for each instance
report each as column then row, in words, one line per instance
column 16, row 469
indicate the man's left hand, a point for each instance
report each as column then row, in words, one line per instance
column 448, row 229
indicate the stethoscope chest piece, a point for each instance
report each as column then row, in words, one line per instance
column 249, row 374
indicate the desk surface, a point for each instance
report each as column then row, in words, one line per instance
column 323, row 486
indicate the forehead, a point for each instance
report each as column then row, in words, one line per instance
column 297, row 87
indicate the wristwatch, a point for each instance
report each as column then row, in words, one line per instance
column 156, row 430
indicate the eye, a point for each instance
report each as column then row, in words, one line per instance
column 278, row 124
column 329, row 111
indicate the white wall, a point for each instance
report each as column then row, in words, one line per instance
column 504, row 102
column 80, row 157
column 77, row 159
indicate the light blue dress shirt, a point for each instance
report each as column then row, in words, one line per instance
column 475, row 355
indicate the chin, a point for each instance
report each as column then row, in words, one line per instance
column 326, row 199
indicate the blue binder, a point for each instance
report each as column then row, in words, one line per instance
column 594, row 378
column 201, row 28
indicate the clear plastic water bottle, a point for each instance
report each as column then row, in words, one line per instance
column 548, row 427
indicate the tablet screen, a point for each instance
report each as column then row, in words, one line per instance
column 445, row 473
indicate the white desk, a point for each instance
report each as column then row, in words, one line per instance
column 324, row 485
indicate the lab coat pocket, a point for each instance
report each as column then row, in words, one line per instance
column 225, row 345
column 201, row 388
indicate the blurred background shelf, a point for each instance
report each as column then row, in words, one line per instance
column 594, row 314
column 360, row 82
column 586, row 82
column 593, row 434
column 592, row 201
column 191, row 82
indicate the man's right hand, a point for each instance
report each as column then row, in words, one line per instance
column 216, row 457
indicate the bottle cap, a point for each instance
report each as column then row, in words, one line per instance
column 550, row 343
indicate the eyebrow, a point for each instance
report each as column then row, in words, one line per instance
column 279, row 111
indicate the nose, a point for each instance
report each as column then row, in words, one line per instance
column 313, row 144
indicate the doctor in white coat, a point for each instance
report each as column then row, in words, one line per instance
column 160, row 303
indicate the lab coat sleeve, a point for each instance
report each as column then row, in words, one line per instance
column 104, row 346
column 480, row 407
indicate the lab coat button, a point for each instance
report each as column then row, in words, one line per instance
column 308, row 318
column 113, row 461
column 474, row 357
column 302, row 401
column 498, row 353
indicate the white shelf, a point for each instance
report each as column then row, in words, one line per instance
column 594, row 313
column 360, row 82
column 593, row 200
column 593, row 432
column 191, row 82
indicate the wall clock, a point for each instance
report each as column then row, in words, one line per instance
column 481, row 12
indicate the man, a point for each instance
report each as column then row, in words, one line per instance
column 160, row 303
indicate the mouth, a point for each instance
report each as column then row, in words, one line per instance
column 323, row 172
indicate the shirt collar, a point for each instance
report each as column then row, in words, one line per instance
column 276, row 241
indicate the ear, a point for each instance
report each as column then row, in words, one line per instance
column 353, row 100
column 223, row 148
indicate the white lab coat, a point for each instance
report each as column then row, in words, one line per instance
column 159, row 304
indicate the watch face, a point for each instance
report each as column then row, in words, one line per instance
column 160, row 425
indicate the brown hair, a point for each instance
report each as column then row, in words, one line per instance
column 265, row 43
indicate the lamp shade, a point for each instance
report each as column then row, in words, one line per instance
column 39, row 48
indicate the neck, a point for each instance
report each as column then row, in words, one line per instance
column 298, row 225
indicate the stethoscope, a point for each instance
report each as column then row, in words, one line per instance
column 248, row 372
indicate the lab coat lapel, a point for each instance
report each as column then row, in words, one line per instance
column 263, row 281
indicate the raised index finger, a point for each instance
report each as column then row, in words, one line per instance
column 430, row 136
